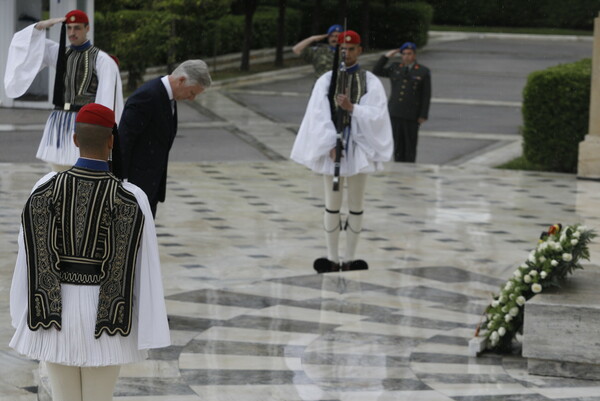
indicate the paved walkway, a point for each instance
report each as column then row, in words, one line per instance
column 251, row 321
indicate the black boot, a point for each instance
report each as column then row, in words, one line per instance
column 357, row 264
column 324, row 265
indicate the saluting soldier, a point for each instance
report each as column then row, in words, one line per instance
column 320, row 55
column 409, row 102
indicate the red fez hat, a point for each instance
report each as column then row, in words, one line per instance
column 96, row 114
column 76, row 17
column 349, row 37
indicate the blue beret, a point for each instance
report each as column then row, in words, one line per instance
column 408, row 45
column 334, row 28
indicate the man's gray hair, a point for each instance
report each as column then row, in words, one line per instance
column 195, row 71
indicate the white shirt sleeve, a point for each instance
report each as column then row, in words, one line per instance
column 110, row 88
column 317, row 135
column 19, row 287
column 28, row 54
column 372, row 129
column 153, row 326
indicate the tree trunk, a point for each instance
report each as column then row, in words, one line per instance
column 249, row 9
column 280, row 34
column 343, row 12
column 171, row 51
column 365, row 24
column 316, row 17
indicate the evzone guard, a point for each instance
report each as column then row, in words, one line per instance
column 367, row 144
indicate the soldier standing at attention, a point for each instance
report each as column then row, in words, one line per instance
column 320, row 55
column 409, row 102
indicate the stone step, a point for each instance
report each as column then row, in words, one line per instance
column 560, row 332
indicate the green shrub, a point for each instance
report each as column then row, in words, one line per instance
column 389, row 26
column 556, row 115
column 517, row 13
column 224, row 35
column 399, row 23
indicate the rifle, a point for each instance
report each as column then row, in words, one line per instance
column 340, row 117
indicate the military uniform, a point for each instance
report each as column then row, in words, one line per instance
column 320, row 56
column 409, row 101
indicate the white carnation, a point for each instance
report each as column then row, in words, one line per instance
column 567, row 257
column 574, row 241
column 554, row 263
column 501, row 331
column 527, row 279
column 543, row 274
column 533, row 273
column 514, row 311
column 536, row 288
column 508, row 318
column 520, row 300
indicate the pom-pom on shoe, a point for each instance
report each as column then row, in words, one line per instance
column 357, row 264
column 324, row 265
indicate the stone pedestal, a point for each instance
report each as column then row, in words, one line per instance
column 560, row 332
column 588, row 165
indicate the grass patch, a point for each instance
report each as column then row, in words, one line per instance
column 520, row 163
column 499, row 29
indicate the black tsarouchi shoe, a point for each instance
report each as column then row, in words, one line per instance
column 357, row 264
column 324, row 265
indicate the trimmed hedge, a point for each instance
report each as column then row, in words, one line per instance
column 389, row 26
column 223, row 36
column 556, row 115
column 399, row 23
column 578, row 14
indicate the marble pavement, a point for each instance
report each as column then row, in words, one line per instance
column 251, row 321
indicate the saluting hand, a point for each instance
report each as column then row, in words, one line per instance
column 392, row 53
column 48, row 23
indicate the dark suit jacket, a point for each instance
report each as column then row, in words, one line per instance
column 411, row 90
column 146, row 133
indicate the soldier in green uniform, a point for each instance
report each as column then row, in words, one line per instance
column 320, row 55
column 409, row 102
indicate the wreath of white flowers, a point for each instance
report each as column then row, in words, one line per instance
column 556, row 255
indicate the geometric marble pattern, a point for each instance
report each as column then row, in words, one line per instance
column 250, row 320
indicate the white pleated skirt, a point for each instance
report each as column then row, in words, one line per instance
column 74, row 344
column 57, row 144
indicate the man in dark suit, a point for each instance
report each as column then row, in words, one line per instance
column 149, row 124
column 409, row 102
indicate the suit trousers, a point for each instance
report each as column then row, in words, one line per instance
column 406, row 134
column 74, row 383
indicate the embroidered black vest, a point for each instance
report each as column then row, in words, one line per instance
column 82, row 227
column 357, row 85
column 81, row 80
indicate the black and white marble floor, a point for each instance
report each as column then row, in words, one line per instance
column 251, row 321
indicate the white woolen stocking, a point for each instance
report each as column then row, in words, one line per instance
column 356, row 194
column 331, row 219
